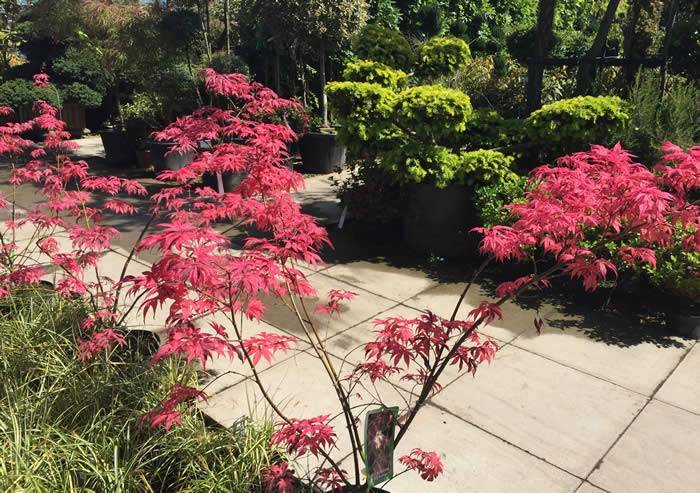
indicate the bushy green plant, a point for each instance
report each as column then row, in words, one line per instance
column 574, row 124
column 484, row 166
column 364, row 113
column 79, row 93
column 491, row 199
column 145, row 110
column 492, row 82
column 82, row 64
column 374, row 72
column 18, row 92
column 677, row 272
column 656, row 116
column 226, row 63
column 384, row 45
column 61, row 440
column 433, row 113
column 441, row 166
column 442, row 56
column 371, row 193
column 488, row 130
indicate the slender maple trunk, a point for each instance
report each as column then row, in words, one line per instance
column 227, row 26
column 322, row 76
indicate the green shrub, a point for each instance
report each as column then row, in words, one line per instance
column 488, row 130
column 374, row 72
column 371, row 193
column 73, row 426
column 442, row 56
column 484, row 166
column 83, row 65
column 676, row 271
column 433, row 113
column 364, row 112
column 573, row 124
column 226, row 63
column 419, row 163
column 81, row 94
column 145, row 110
column 492, row 198
column 18, row 92
column 497, row 86
column 656, row 117
column 384, row 45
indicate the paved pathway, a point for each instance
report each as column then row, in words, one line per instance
column 597, row 402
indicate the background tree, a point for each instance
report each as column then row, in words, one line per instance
column 326, row 26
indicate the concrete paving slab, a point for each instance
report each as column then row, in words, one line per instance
column 660, row 453
column 682, row 388
column 640, row 367
column 395, row 283
column 587, row 487
column 364, row 307
column 561, row 415
column 443, row 298
column 474, row 461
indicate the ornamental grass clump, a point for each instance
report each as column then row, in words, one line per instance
column 211, row 293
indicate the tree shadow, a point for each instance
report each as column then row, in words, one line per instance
column 627, row 315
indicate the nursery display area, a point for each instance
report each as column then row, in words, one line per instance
column 384, row 246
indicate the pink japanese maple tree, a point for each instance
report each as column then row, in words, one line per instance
column 572, row 215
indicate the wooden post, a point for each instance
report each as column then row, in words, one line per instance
column 535, row 69
column 586, row 71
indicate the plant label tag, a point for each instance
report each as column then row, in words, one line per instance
column 380, row 425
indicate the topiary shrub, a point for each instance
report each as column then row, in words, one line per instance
column 484, row 166
column 487, row 130
column 433, row 113
column 364, row 112
column 573, row 124
column 442, row 56
column 81, row 94
column 374, row 72
column 19, row 92
column 442, row 166
column 384, row 45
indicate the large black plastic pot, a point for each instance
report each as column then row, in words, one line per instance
column 229, row 181
column 118, row 147
column 687, row 325
column 321, row 153
column 162, row 161
column 437, row 220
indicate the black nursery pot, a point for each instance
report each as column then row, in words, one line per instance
column 685, row 324
column 118, row 146
column 321, row 153
column 230, row 181
column 173, row 161
column 437, row 220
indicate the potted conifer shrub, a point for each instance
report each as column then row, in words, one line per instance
column 76, row 98
column 677, row 276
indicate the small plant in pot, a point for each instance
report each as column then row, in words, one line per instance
column 677, row 275
column 142, row 116
column 76, row 98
